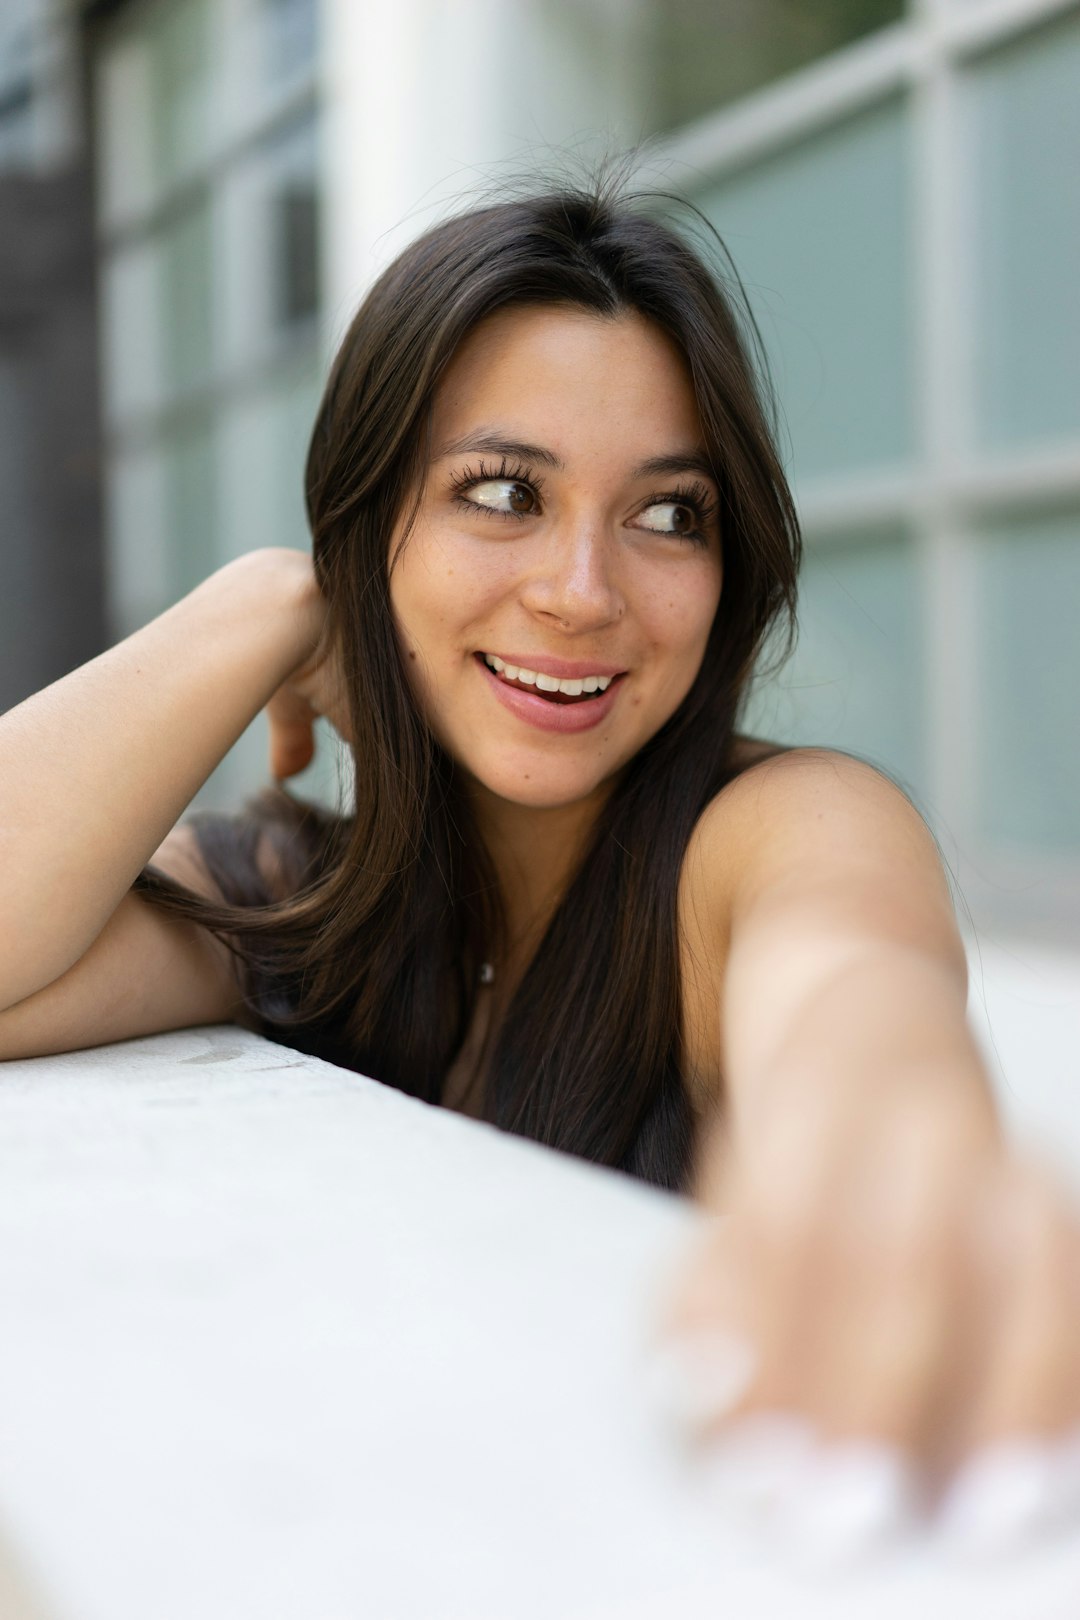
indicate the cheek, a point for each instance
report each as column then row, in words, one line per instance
column 422, row 592
column 439, row 596
column 442, row 583
column 680, row 612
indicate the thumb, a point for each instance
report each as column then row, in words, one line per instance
column 292, row 734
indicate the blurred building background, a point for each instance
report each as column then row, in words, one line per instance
column 195, row 193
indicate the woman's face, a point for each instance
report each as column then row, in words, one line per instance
column 567, row 533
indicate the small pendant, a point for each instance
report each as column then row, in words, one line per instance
column 487, row 973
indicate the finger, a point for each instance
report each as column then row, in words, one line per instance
column 1031, row 1243
column 1019, row 1477
column 746, row 1297
column 896, row 1286
column 292, row 748
column 701, row 1361
column 811, row 1208
column 291, row 719
column 290, row 756
column 288, row 708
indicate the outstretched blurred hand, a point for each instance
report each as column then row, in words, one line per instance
column 887, row 1319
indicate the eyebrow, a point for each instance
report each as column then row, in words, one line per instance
column 685, row 461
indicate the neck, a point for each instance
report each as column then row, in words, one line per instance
column 535, row 853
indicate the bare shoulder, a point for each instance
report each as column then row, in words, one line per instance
column 814, row 819
column 803, row 848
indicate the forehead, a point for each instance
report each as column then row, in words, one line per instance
column 570, row 380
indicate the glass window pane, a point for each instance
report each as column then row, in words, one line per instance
column 179, row 37
column 1029, row 663
column 190, row 486
column 269, row 237
column 137, row 540
column 185, row 266
column 287, row 37
column 17, row 131
column 131, row 332
column 855, row 680
column 1026, row 142
column 703, row 54
column 264, row 446
column 296, row 256
column 20, row 31
column 820, row 235
column 123, row 118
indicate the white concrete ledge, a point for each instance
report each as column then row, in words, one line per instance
column 278, row 1343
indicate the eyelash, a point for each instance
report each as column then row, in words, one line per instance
column 695, row 496
column 506, row 474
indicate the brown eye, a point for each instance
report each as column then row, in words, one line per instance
column 670, row 517
column 503, row 495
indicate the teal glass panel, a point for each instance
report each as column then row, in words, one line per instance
column 1026, row 146
column 179, row 37
column 264, row 439
column 289, row 173
column 702, row 54
column 856, row 678
column 189, row 457
column 288, row 32
column 1029, row 664
column 294, row 405
column 185, row 249
column 137, row 555
column 820, row 235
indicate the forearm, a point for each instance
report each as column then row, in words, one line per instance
column 96, row 769
column 887, row 1023
column 889, row 1280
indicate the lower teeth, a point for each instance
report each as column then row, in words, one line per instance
column 552, row 697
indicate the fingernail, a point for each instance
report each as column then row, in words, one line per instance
column 698, row 1379
column 1005, row 1497
column 754, row 1463
column 1067, row 1453
column 851, row 1498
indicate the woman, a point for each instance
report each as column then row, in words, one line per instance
column 551, row 534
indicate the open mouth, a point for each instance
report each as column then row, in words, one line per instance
column 560, row 692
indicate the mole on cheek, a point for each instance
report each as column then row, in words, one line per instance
column 412, row 655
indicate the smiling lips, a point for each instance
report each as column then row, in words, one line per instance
column 575, row 701
column 553, row 688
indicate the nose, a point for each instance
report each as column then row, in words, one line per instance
column 574, row 580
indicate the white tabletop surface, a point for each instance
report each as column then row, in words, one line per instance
column 277, row 1342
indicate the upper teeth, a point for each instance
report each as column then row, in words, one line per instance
column 548, row 683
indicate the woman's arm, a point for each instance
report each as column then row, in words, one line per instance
column 897, row 1276
column 845, row 970
column 96, row 769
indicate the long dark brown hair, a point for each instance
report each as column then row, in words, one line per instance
column 369, row 955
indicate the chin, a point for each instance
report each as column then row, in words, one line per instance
column 538, row 786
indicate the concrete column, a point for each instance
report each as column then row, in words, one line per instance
column 430, row 102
